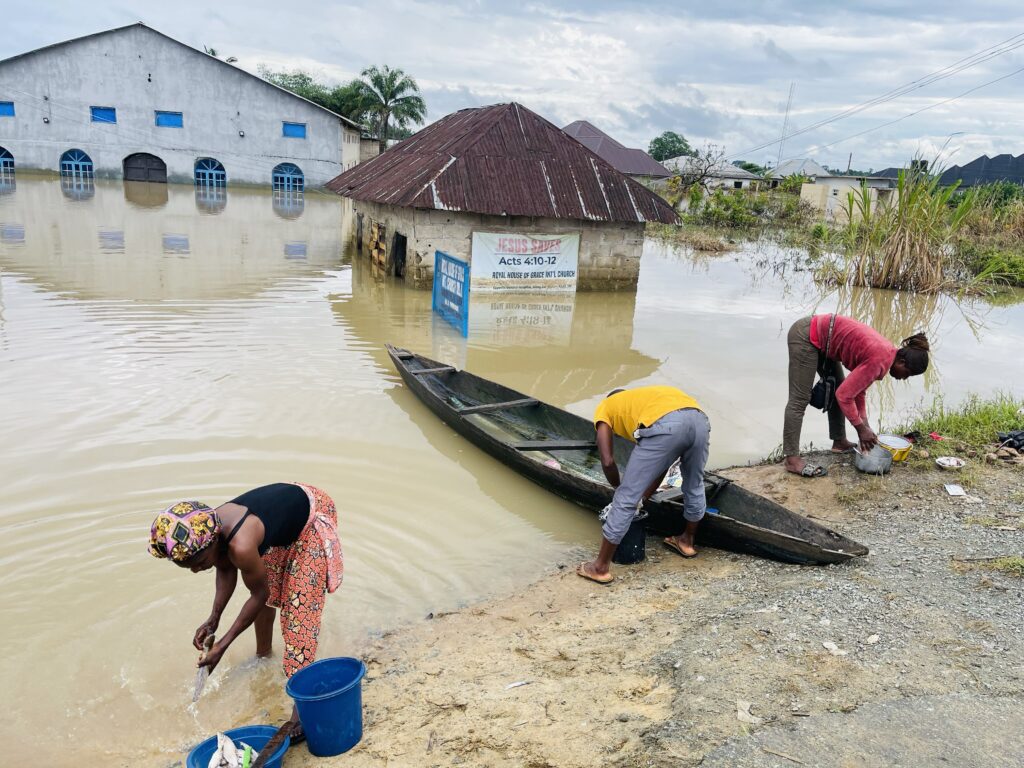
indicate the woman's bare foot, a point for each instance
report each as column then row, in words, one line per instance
column 843, row 446
column 794, row 464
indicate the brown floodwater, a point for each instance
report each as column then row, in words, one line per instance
column 158, row 345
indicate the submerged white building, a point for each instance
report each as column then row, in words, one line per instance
column 136, row 104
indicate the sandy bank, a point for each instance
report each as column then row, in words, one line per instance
column 680, row 658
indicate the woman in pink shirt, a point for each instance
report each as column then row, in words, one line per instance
column 866, row 354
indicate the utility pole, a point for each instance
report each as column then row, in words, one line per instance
column 785, row 123
column 849, row 162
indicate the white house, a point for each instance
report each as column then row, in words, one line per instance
column 136, row 104
column 722, row 174
column 831, row 194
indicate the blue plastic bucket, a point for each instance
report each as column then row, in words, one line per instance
column 329, row 697
column 256, row 736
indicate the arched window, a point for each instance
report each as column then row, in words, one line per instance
column 287, row 177
column 6, row 161
column 75, row 164
column 210, row 173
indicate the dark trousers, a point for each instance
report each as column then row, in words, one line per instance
column 803, row 365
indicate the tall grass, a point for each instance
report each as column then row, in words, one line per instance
column 906, row 244
column 975, row 421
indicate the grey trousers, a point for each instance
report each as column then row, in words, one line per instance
column 803, row 365
column 679, row 435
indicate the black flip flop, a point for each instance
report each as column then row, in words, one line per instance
column 812, row 470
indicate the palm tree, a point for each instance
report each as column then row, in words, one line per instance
column 390, row 94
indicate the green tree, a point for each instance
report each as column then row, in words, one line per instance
column 390, row 94
column 345, row 99
column 754, row 168
column 669, row 144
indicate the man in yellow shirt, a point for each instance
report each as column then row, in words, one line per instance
column 666, row 424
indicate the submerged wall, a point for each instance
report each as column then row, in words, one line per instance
column 609, row 257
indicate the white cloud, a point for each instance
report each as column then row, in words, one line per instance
column 719, row 72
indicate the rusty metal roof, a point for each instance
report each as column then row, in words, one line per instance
column 503, row 160
column 632, row 162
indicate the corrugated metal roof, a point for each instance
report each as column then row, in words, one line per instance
column 801, row 167
column 985, row 170
column 632, row 162
column 503, row 160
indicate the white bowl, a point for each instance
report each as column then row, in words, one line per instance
column 950, row 462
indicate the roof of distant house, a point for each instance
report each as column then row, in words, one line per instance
column 632, row 162
column 985, row 170
column 799, row 167
column 140, row 25
column 720, row 170
column 503, row 160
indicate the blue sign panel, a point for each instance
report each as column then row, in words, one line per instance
column 451, row 290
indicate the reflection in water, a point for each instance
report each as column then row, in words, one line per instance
column 77, row 187
column 7, row 180
column 295, row 250
column 111, row 241
column 12, row 234
column 288, row 204
column 177, row 244
column 145, row 194
column 138, row 377
column 210, row 199
column 239, row 251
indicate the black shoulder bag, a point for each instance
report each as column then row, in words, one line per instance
column 823, row 395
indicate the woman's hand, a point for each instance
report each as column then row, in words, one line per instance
column 867, row 437
column 207, row 628
column 212, row 657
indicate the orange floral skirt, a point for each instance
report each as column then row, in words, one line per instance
column 301, row 575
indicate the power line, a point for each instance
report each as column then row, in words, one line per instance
column 919, row 111
column 986, row 54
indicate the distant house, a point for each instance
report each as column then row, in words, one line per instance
column 633, row 162
column 830, row 193
column 133, row 103
column 985, row 170
column 798, row 167
column 722, row 175
column 500, row 178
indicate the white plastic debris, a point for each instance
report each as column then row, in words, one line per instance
column 832, row 648
column 743, row 713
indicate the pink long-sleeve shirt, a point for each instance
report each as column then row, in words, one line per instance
column 863, row 351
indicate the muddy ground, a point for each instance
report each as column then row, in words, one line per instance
column 909, row 657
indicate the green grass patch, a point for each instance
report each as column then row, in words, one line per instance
column 1011, row 566
column 973, row 422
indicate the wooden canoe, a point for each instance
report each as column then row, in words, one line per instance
column 556, row 450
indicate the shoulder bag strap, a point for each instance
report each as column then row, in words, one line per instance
column 828, row 345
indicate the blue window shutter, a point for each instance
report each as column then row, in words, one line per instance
column 294, row 130
column 169, row 120
column 6, row 109
column 103, row 114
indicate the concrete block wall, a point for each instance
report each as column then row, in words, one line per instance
column 609, row 257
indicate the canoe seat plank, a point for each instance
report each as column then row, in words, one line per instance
column 669, row 494
column 497, row 406
column 404, row 355
column 442, row 369
column 554, row 445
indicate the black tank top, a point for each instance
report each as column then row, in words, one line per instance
column 283, row 508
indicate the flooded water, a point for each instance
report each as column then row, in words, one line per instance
column 156, row 346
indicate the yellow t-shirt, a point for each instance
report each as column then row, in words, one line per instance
column 625, row 411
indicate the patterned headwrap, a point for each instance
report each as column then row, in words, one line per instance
column 183, row 530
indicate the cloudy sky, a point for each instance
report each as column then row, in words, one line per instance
column 716, row 72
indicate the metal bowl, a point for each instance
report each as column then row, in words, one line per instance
column 877, row 461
